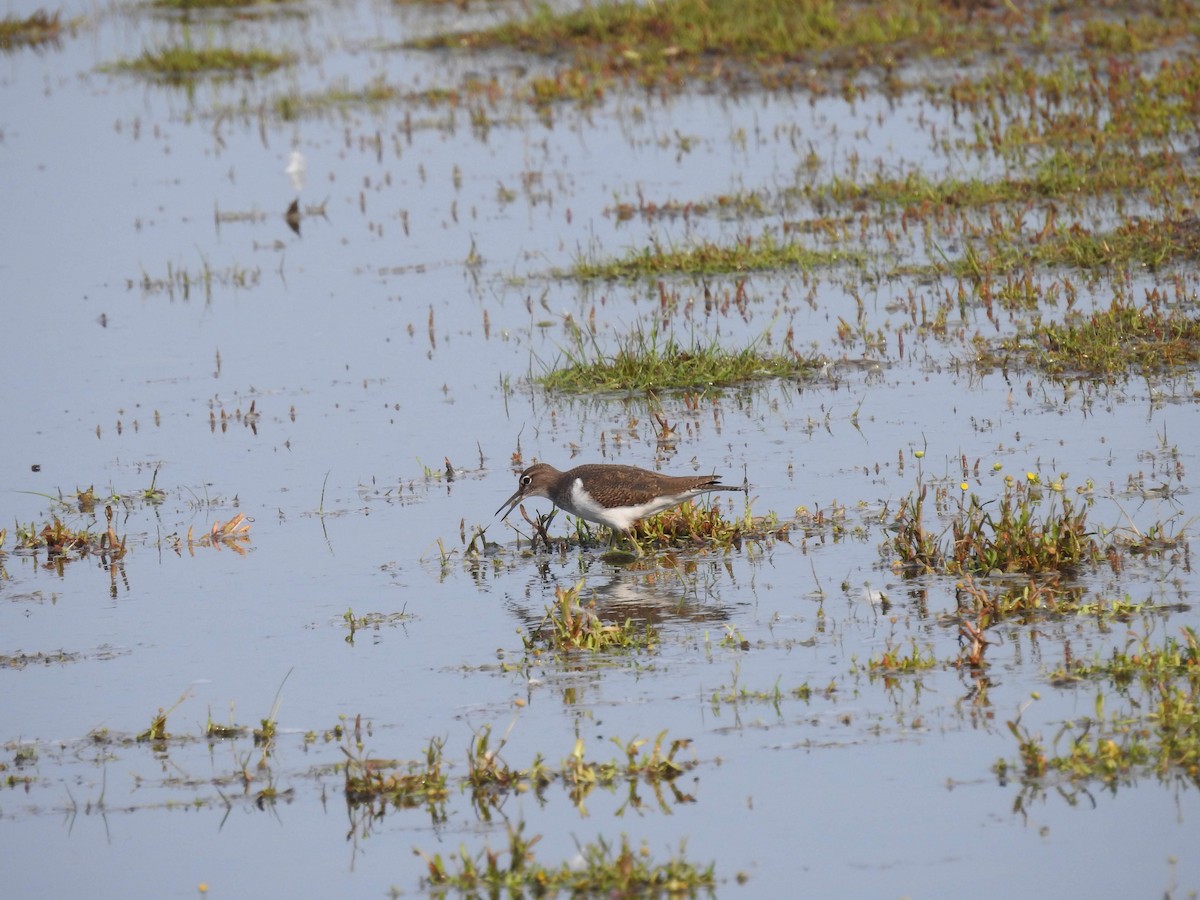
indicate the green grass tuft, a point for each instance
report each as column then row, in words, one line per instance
column 645, row 361
column 763, row 254
column 184, row 63
column 1112, row 343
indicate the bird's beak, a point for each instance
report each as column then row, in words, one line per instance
column 510, row 504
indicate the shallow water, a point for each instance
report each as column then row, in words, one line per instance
column 396, row 332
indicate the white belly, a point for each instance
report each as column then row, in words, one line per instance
column 618, row 517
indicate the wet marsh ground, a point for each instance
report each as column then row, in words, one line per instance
column 295, row 292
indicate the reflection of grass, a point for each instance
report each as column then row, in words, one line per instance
column 646, row 362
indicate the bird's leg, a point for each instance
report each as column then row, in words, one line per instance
column 637, row 548
column 615, row 537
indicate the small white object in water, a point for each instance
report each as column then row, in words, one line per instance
column 874, row 597
column 295, row 169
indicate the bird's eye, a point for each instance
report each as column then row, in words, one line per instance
column 525, row 479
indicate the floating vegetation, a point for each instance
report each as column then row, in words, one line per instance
column 264, row 735
column 765, row 253
column 1121, row 341
column 737, row 694
column 695, row 526
column 1136, row 243
column 21, row 660
column 373, row 621
column 184, row 63
column 489, row 775
column 1139, row 663
column 646, row 361
column 54, row 536
column 578, row 87
column 86, row 500
column 1061, row 177
column 241, row 5
column 60, row 540
column 404, row 785
column 184, row 281
column 690, row 39
column 35, row 30
column 651, row 768
column 571, row 625
column 689, row 527
column 1157, row 734
column 599, row 870
column 742, row 203
column 473, row 94
column 378, row 91
column 893, row 660
column 157, row 732
column 1028, row 531
column 425, row 783
column 234, row 534
column 1040, row 596
column 1088, row 102
column 216, row 731
column 1034, row 172
column 153, row 495
column 248, row 419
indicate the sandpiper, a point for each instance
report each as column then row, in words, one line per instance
column 612, row 495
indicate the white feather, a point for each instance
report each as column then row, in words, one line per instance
column 621, row 518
